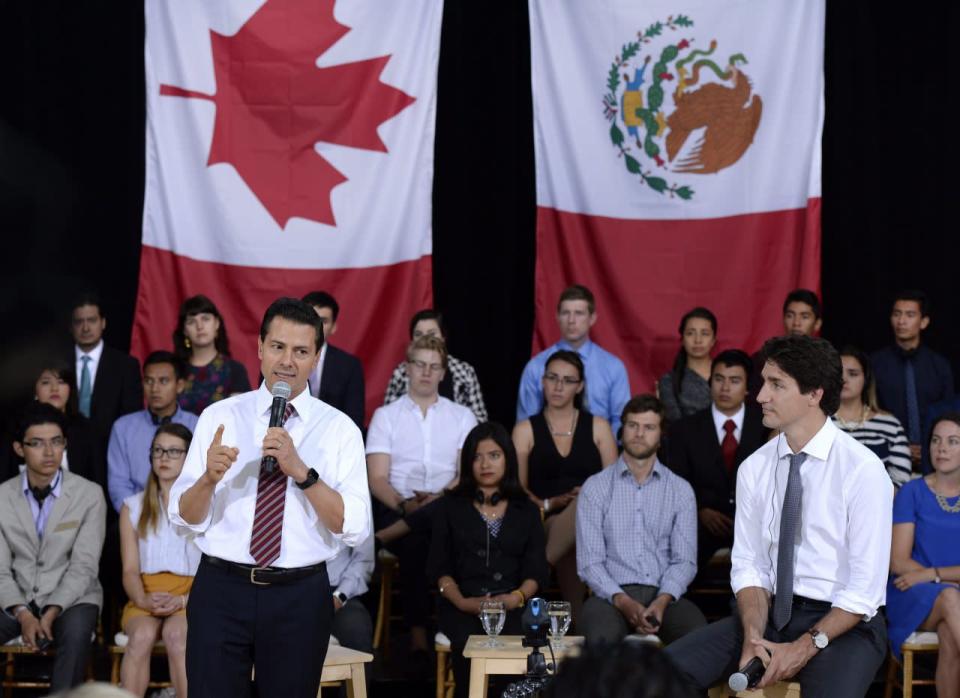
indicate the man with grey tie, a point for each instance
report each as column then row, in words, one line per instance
column 807, row 609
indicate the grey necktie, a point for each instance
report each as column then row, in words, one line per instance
column 789, row 524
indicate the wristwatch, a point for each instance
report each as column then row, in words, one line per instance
column 340, row 596
column 310, row 481
column 402, row 508
column 936, row 576
column 820, row 639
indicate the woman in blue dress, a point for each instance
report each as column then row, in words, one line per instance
column 925, row 559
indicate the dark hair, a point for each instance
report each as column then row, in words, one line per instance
column 572, row 358
column 510, row 484
column 65, row 371
column 322, row 299
column 194, row 306
column 680, row 362
column 39, row 413
column 296, row 311
column 428, row 314
column 578, row 292
column 622, row 670
column 812, row 362
column 646, row 402
column 150, row 511
column 868, row 396
column 88, row 297
column 918, row 297
column 952, row 416
column 806, row 296
column 162, row 356
column 733, row 357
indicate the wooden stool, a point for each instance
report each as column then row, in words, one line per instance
column 445, row 681
column 510, row 658
column 342, row 664
column 923, row 641
column 14, row 649
column 388, row 569
column 782, row 689
column 117, row 651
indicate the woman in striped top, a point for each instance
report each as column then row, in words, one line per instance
column 860, row 417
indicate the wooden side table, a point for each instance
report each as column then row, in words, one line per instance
column 510, row 659
column 342, row 664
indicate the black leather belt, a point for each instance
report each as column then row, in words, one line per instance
column 265, row 576
column 805, row 602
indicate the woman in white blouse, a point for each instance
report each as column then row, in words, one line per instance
column 159, row 564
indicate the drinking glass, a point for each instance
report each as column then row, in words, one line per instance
column 559, row 613
column 492, row 616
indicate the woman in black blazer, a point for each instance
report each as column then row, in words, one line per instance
column 488, row 543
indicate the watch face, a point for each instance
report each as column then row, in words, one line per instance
column 820, row 640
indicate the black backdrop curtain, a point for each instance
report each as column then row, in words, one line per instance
column 72, row 170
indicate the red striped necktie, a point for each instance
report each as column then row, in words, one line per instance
column 268, row 515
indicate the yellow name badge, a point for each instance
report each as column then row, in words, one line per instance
column 66, row 526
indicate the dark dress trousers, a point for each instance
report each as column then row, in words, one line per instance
column 117, row 390
column 694, row 454
column 341, row 384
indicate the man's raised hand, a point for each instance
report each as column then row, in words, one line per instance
column 219, row 457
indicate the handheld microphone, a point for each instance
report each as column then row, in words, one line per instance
column 281, row 393
column 748, row 677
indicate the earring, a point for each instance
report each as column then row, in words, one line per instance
column 186, row 342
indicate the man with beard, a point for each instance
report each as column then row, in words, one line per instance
column 637, row 539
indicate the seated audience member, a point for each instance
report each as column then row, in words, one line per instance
column 159, row 564
column 686, row 388
column 925, row 561
column 811, row 544
column 910, row 376
column 628, row 669
column 460, row 382
column 349, row 574
column 707, row 447
column 338, row 378
column 413, row 449
column 557, row 449
column 802, row 316
column 200, row 341
column 860, row 417
column 608, row 387
column 128, row 467
column 51, row 533
column 54, row 386
column 108, row 380
column 487, row 511
column 636, row 539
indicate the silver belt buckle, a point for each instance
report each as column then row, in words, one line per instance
column 253, row 571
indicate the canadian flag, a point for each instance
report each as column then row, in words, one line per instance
column 290, row 149
column 678, row 164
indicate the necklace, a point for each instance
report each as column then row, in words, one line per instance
column 573, row 425
column 942, row 501
column 848, row 426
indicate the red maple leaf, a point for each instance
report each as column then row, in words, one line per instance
column 273, row 104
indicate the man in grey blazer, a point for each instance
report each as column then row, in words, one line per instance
column 51, row 533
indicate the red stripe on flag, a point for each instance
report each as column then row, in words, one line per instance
column 645, row 274
column 375, row 306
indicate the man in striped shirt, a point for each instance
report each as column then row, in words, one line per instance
column 637, row 539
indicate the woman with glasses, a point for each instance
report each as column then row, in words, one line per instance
column 158, row 568
column 200, row 340
column 557, row 450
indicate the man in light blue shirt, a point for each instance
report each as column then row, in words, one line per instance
column 608, row 387
column 128, row 454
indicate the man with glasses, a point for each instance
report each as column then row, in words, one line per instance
column 413, row 450
column 128, row 458
column 51, row 534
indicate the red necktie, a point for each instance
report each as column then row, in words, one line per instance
column 268, row 515
column 728, row 447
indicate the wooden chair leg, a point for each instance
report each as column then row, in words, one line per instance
column 907, row 674
column 8, row 675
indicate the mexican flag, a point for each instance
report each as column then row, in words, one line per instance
column 290, row 149
column 678, row 164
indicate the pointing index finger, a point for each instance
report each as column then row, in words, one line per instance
column 218, row 437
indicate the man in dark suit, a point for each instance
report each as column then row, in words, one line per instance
column 707, row 447
column 338, row 379
column 108, row 381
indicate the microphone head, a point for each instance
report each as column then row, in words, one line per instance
column 738, row 681
column 281, row 389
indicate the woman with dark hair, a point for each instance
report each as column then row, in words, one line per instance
column 159, row 564
column 487, row 543
column 860, row 417
column 557, row 450
column 925, row 561
column 686, row 388
column 200, row 340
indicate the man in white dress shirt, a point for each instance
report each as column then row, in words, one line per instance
column 262, row 597
column 808, row 610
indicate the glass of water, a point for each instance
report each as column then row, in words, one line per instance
column 559, row 614
column 492, row 616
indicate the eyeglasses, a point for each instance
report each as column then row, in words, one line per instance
column 171, row 453
column 568, row 381
column 422, row 366
column 55, row 442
